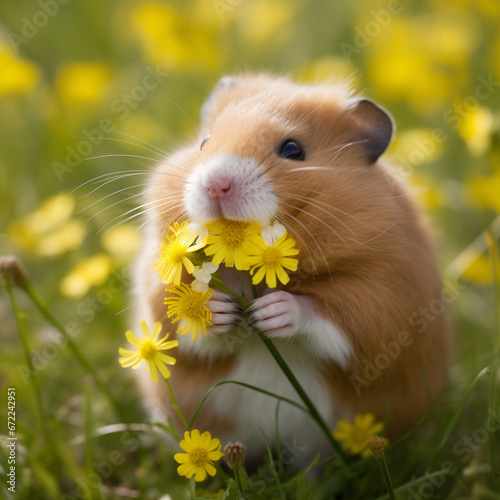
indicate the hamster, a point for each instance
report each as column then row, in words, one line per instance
column 308, row 156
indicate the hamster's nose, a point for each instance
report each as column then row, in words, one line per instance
column 219, row 186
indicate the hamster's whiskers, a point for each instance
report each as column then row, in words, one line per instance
column 297, row 236
column 125, row 219
column 162, row 155
column 313, row 238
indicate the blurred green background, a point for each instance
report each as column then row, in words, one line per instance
column 89, row 88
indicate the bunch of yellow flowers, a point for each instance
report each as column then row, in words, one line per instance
column 263, row 252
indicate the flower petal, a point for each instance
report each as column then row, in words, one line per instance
column 156, row 331
column 200, row 475
column 144, row 328
column 181, row 458
column 132, row 338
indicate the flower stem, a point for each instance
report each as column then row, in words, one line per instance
column 42, row 307
column 303, row 395
column 291, row 377
column 385, row 473
column 35, row 387
column 237, row 476
column 175, row 405
column 241, row 300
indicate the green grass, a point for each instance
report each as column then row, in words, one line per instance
column 69, row 431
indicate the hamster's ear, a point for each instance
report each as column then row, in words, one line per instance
column 373, row 126
column 210, row 104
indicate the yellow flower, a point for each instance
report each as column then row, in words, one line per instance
column 122, row 243
column 201, row 451
column 355, row 437
column 18, row 75
column 88, row 273
column 176, row 37
column 148, row 349
column 83, row 82
column 476, row 128
column 231, row 242
column 190, row 308
column 49, row 230
column 271, row 261
column 176, row 253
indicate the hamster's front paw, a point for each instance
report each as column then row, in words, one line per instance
column 278, row 314
column 226, row 313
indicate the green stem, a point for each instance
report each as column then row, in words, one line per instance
column 494, row 261
column 176, row 406
column 237, row 476
column 248, row 386
column 35, row 387
column 454, row 419
column 241, row 300
column 303, row 395
column 385, row 473
column 42, row 307
column 293, row 380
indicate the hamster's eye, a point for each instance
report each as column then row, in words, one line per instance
column 292, row 151
column 205, row 139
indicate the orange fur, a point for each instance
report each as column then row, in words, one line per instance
column 365, row 254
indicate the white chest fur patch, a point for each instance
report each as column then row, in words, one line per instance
column 254, row 413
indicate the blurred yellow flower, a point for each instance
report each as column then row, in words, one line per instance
column 18, row 75
column 265, row 21
column 476, row 128
column 416, row 146
column 83, row 82
column 122, row 242
column 354, row 437
column 327, row 68
column 63, row 239
column 485, row 191
column 49, row 230
column 479, row 271
column 173, row 39
column 489, row 8
column 93, row 271
column 426, row 190
column 422, row 59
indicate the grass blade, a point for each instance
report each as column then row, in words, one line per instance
column 454, row 419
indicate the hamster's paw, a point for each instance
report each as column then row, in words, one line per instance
column 278, row 314
column 226, row 313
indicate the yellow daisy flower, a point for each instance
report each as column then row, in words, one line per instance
column 177, row 253
column 231, row 242
column 201, row 451
column 272, row 260
column 190, row 308
column 354, row 437
column 148, row 349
